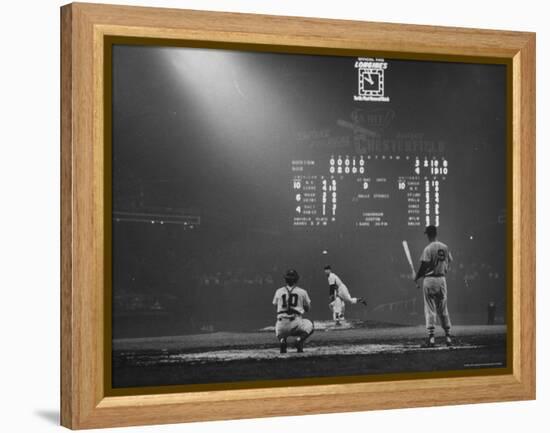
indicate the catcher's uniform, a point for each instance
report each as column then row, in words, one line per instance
column 343, row 292
column 438, row 257
column 291, row 303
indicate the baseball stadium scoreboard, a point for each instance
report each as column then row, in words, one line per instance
column 368, row 191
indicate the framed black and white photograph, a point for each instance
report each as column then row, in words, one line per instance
column 259, row 216
column 271, row 213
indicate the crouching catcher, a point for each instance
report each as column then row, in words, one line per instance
column 292, row 302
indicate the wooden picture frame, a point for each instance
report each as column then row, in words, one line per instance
column 85, row 402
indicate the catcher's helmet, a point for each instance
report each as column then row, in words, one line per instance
column 291, row 277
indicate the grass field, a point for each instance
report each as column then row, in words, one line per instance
column 359, row 348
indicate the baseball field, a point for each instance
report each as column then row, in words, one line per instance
column 354, row 348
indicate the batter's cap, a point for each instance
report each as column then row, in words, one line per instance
column 431, row 231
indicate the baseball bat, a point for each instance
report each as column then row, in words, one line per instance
column 408, row 254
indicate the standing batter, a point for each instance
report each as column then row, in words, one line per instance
column 434, row 264
column 292, row 302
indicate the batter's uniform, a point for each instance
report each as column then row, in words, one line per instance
column 291, row 304
column 438, row 257
column 336, row 285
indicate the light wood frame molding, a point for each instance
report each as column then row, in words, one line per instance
column 84, row 403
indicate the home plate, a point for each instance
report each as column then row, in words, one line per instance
column 324, row 325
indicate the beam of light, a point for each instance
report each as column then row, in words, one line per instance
column 234, row 93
